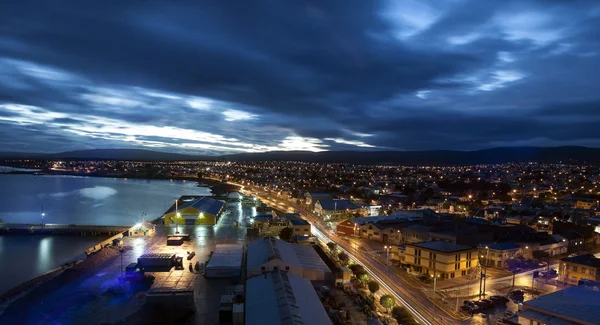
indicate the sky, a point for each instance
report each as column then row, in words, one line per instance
column 216, row 77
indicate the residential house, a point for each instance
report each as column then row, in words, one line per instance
column 582, row 267
column 300, row 228
column 312, row 198
column 497, row 255
column 337, row 208
column 441, row 259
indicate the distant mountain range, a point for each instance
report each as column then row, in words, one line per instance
column 434, row 157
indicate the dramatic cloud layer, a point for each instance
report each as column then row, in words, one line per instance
column 252, row 76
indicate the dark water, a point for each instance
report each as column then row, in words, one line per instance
column 72, row 200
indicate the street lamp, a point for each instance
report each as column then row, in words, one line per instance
column 483, row 273
column 177, row 215
column 387, row 258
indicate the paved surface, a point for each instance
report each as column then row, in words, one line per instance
column 99, row 299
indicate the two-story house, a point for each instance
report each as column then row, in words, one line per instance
column 300, row 228
column 582, row 267
column 440, row 259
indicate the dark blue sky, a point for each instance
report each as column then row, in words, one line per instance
column 250, row 76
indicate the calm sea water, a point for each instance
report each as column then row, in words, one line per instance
column 73, row 200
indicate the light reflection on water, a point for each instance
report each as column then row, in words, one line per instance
column 73, row 200
column 25, row 257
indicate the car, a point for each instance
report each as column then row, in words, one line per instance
column 508, row 314
column 346, row 238
column 542, row 264
column 487, row 303
column 517, row 293
column 499, row 300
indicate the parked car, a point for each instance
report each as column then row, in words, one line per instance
column 517, row 293
column 499, row 300
column 486, row 303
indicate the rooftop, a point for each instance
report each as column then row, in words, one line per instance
column 282, row 298
column 503, row 246
column 337, row 205
column 262, row 250
column 226, row 255
column 201, row 203
column 585, row 259
column 442, row 246
column 580, row 303
column 299, row 222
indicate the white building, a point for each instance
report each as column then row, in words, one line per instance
column 268, row 254
column 283, row 298
column 226, row 261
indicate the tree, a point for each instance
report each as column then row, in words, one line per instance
column 286, row 234
column 364, row 277
column 387, row 301
column 373, row 287
column 401, row 314
column 357, row 269
column 343, row 257
column 331, row 245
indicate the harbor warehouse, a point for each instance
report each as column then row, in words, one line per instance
column 283, row 298
column 268, row 254
column 195, row 210
column 226, row 261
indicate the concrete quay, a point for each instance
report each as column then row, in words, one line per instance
column 58, row 229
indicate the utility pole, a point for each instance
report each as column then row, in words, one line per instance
column 457, row 293
column 513, row 283
column 485, row 273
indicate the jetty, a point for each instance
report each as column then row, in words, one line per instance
column 58, row 229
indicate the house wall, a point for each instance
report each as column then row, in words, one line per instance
column 200, row 219
column 571, row 273
column 444, row 265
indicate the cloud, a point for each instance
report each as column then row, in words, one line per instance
column 237, row 115
column 364, row 75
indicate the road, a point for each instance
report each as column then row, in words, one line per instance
column 423, row 309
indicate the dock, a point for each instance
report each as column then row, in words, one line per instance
column 58, row 229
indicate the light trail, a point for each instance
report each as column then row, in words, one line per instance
column 325, row 239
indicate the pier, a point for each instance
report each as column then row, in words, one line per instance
column 58, row 229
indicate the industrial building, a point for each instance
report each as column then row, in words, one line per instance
column 225, row 261
column 280, row 297
column 268, row 254
column 194, row 210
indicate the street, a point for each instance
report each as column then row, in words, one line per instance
column 424, row 310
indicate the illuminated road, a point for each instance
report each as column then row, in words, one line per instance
column 424, row 311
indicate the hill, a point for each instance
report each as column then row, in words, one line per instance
column 434, row 157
